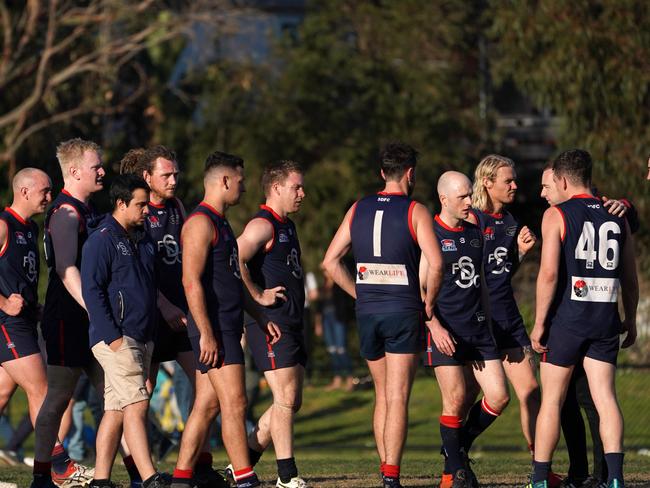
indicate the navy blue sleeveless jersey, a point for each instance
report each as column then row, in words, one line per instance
column 221, row 279
column 19, row 266
column 163, row 224
column 280, row 266
column 500, row 259
column 589, row 280
column 386, row 253
column 57, row 299
column 458, row 306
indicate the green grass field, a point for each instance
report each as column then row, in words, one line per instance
column 335, row 447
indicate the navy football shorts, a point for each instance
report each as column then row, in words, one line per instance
column 66, row 338
column 18, row 341
column 397, row 333
column 474, row 348
column 568, row 349
column 510, row 333
column 230, row 350
column 289, row 351
column 168, row 343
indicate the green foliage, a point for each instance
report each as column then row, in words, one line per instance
column 588, row 62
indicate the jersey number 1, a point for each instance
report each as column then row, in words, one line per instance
column 376, row 234
column 586, row 247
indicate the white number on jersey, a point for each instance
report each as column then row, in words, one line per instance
column 586, row 247
column 376, row 234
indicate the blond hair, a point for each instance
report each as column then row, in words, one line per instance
column 71, row 151
column 487, row 168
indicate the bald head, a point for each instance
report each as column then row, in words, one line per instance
column 27, row 178
column 32, row 191
column 452, row 182
column 455, row 192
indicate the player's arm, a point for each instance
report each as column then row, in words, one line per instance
column 547, row 278
column 338, row 248
column 96, row 264
column 258, row 234
column 196, row 238
column 14, row 303
column 64, row 231
column 253, row 309
column 423, row 226
column 629, row 289
column 171, row 314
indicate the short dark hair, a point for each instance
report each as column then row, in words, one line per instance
column 123, row 187
column 220, row 159
column 278, row 171
column 574, row 165
column 396, row 158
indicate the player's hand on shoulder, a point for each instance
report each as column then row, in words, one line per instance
column 629, row 328
column 615, row 207
column 273, row 332
column 209, row 349
column 270, row 296
column 443, row 340
column 536, row 336
column 14, row 304
column 526, row 240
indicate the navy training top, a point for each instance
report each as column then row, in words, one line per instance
column 118, row 283
column 163, row 224
column 500, row 260
column 458, row 306
column 589, row 280
column 386, row 253
column 19, row 266
column 221, row 278
column 280, row 265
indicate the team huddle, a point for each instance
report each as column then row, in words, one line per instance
column 149, row 282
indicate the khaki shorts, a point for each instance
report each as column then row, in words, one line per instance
column 125, row 372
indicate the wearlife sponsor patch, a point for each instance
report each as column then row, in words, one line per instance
column 381, row 274
column 594, row 289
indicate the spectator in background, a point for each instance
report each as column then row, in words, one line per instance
column 329, row 324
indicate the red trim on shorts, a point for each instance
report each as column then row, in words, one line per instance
column 451, row 421
column 563, row 224
column 445, row 226
column 272, row 358
column 354, row 209
column 6, row 334
column 410, row 219
column 429, row 350
column 544, row 357
column 274, row 213
column 6, row 244
column 62, row 342
column 487, row 409
column 16, row 216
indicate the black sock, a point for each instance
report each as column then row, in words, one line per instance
column 150, row 480
column 614, row 466
column 131, row 468
column 21, row 433
column 480, row 417
column 101, row 483
column 254, row 456
column 443, row 453
column 540, row 471
column 450, row 427
column 287, row 469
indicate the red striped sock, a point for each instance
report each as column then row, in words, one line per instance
column 243, row 473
